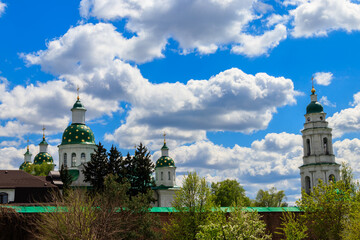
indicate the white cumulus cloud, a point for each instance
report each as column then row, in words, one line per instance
column 323, row 78
column 2, row 8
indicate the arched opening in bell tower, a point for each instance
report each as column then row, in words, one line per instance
column 307, row 185
column 308, row 147
column 326, row 147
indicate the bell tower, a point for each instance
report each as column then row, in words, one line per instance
column 318, row 159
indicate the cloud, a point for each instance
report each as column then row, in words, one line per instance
column 319, row 17
column 201, row 26
column 347, row 120
column 273, row 160
column 323, row 78
column 324, row 100
column 2, row 8
column 348, row 150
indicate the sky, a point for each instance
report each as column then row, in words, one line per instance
column 227, row 80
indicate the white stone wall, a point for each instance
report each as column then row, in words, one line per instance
column 166, row 197
column 164, row 180
column 78, row 116
column 78, row 149
column 10, row 192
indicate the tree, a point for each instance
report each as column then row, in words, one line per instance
column 106, row 215
column 291, row 228
column 115, row 160
column 239, row 225
column 42, row 169
column 140, row 170
column 65, row 178
column 325, row 209
column 229, row 193
column 193, row 203
column 96, row 170
column 270, row 198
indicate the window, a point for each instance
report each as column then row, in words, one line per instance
column 331, row 178
column 65, row 160
column 307, row 185
column 162, row 176
column 73, row 159
column 308, row 119
column 3, row 198
column 326, row 150
column 169, row 176
column 308, row 147
column 83, row 158
column 321, row 118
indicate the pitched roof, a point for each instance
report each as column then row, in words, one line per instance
column 21, row 179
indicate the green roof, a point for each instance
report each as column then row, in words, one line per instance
column 74, row 173
column 165, row 162
column 45, row 209
column 78, row 133
column 78, row 105
column 165, row 147
column 43, row 157
column 43, row 142
column 314, row 107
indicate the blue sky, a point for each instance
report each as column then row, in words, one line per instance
column 228, row 81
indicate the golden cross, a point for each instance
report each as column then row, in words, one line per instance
column 164, row 137
column 312, row 81
column 43, row 132
column 27, row 147
column 77, row 89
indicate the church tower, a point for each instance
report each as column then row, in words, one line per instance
column 77, row 144
column 27, row 158
column 43, row 155
column 318, row 159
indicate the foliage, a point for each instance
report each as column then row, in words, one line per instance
column 114, row 163
column 65, row 178
column 291, row 228
column 228, row 193
column 42, row 169
column 108, row 215
column 347, row 177
column 96, row 170
column 270, row 198
column 325, row 208
column 239, row 225
column 193, row 202
column 13, row 225
column 141, row 169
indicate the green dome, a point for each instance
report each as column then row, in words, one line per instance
column 24, row 165
column 78, row 133
column 43, row 157
column 78, row 105
column 165, row 162
column 314, row 107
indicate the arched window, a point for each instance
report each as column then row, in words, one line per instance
column 83, row 158
column 332, row 178
column 308, row 147
column 65, row 160
column 162, row 176
column 73, row 159
column 169, row 176
column 4, row 198
column 326, row 148
column 307, row 185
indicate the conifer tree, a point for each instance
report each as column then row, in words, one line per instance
column 114, row 163
column 96, row 170
column 141, row 170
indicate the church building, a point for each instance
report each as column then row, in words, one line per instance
column 318, row 159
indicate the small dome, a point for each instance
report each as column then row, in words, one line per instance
column 24, row 165
column 43, row 157
column 78, row 134
column 314, row 107
column 78, row 105
column 165, row 162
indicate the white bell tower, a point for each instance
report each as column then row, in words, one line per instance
column 319, row 159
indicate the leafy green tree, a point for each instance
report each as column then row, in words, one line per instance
column 65, row 178
column 106, row 215
column 96, row 170
column 291, row 228
column 325, row 209
column 229, row 193
column 42, row 169
column 193, row 203
column 270, row 198
column 239, row 225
